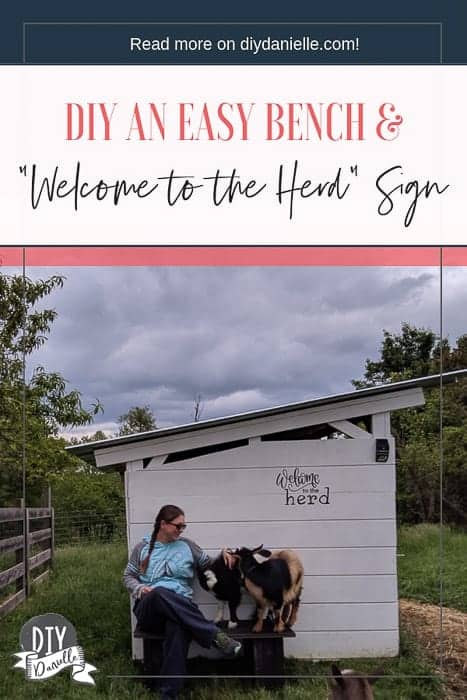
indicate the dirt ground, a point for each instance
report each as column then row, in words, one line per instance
column 423, row 622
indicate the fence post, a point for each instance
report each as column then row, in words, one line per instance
column 52, row 526
column 19, row 556
column 27, row 586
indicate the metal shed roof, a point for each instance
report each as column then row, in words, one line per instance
column 87, row 450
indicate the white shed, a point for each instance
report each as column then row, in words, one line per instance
column 302, row 476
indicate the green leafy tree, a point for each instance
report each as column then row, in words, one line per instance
column 416, row 352
column 84, row 439
column 402, row 356
column 88, row 504
column 37, row 399
column 138, row 419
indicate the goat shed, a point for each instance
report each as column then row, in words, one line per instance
column 316, row 476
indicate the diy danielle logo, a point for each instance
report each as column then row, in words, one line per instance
column 301, row 488
column 50, row 644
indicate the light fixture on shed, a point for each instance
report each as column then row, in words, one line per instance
column 382, row 450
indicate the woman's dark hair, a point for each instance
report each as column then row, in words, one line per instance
column 167, row 513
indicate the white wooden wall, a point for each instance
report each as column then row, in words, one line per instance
column 348, row 548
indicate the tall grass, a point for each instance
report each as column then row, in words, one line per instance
column 419, row 565
column 86, row 588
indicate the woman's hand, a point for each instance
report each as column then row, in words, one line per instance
column 144, row 591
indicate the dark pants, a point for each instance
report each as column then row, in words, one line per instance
column 181, row 621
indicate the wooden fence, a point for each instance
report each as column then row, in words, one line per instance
column 21, row 574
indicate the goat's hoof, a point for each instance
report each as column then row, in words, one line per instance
column 232, row 625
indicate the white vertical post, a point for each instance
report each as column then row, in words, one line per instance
column 381, row 424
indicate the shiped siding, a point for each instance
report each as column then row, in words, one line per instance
column 347, row 545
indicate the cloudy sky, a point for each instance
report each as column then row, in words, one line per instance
column 243, row 338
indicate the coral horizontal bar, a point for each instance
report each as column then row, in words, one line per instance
column 68, row 256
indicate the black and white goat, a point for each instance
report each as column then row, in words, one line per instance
column 225, row 583
column 273, row 582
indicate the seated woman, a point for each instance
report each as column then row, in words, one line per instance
column 160, row 577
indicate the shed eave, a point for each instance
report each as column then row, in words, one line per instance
column 87, row 451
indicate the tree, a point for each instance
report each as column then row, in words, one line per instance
column 404, row 356
column 139, row 419
column 198, row 407
column 40, row 401
column 416, row 352
column 84, row 439
column 87, row 503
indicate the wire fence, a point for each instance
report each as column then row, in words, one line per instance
column 89, row 527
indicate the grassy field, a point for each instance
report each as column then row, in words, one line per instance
column 419, row 567
column 86, row 588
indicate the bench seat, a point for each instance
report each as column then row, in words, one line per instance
column 263, row 652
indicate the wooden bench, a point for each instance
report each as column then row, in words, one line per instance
column 263, row 652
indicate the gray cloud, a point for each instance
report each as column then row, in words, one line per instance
column 244, row 338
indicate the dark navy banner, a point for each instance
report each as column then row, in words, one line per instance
column 415, row 32
column 233, row 43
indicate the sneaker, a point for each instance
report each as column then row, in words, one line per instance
column 227, row 645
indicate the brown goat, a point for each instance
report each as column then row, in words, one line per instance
column 274, row 581
column 351, row 685
column 288, row 614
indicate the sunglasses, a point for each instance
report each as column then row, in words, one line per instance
column 180, row 526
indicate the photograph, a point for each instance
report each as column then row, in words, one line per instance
column 288, row 418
